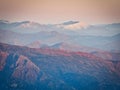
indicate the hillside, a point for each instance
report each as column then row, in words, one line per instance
column 23, row 68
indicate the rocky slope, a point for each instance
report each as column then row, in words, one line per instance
column 23, row 68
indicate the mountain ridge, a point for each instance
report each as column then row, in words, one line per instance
column 35, row 69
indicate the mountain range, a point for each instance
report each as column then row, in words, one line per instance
column 71, row 55
column 105, row 37
column 23, row 68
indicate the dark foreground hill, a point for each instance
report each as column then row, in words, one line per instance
column 23, row 68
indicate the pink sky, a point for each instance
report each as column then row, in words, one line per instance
column 57, row 11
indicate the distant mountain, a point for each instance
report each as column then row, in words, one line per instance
column 23, row 68
column 45, row 37
column 110, row 43
column 80, row 28
column 112, row 55
column 24, row 26
column 105, row 37
column 72, row 47
column 99, row 42
column 102, row 30
column 37, row 44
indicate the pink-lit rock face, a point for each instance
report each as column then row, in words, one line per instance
column 26, row 70
column 3, row 57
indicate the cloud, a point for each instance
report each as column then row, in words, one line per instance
column 74, row 26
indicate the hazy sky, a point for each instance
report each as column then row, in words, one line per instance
column 57, row 11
